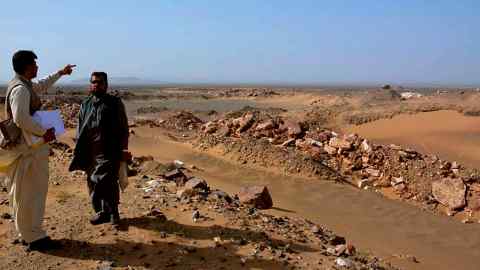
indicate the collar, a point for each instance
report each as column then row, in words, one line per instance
column 24, row 80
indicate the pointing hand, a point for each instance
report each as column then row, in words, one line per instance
column 67, row 70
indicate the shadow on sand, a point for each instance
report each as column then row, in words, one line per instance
column 159, row 255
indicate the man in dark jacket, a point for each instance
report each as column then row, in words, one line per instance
column 102, row 143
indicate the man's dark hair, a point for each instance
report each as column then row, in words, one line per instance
column 22, row 59
column 100, row 74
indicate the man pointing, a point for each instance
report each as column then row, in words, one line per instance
column 27, row 178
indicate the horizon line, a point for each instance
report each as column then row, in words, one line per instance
column 278, row 84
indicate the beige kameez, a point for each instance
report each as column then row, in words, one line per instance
column 27, row 177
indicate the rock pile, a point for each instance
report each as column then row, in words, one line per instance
column 69, row 107
column 182, row 121
column 412, row 175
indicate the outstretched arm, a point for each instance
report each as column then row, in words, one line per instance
column 42, row 86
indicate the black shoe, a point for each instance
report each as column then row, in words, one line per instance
column 100, row 218
column 18, row 241
column 45, row 243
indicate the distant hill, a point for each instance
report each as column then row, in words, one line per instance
column 118, row 80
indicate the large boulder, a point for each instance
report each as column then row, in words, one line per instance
column 197, row 183
column 450, row 192
column 256, row 196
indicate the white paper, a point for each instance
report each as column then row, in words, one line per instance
column 49, row 119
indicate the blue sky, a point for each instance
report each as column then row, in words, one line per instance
column 250, row 41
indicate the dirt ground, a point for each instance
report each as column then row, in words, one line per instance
column 158, row 231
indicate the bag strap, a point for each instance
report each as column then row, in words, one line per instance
column 9, row 108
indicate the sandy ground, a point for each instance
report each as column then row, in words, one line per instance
column 393, row 230
column 449, row 134
column 388, row 228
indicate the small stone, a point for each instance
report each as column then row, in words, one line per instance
column 340, row 249
column 455, row 166
column 105, row 266
column 363, row 183
column 396, row 181
column 330, row 150
column 343, row 262
column 178, row 164
column 316, row 230
column 400, row 187
column 186, row 193
column 373, row 172
column 340, row 144
column 218, row 241
column 221, row 195
column 366, row 146
column 195, row 215
column 467, row 221
column 350, row 250
column 331, row 251
column 288, row 142
column 191, row 249
column 337, row 240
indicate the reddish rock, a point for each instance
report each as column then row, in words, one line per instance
column 257, row 196
column 315, row 152
column 366, row 147
column 196, row 183
column 224, row 131
column 363, row 183
column 294, row 130
column 302, row 144
column 455, row 166
column 450, row 192
column 186, row 192
column 267, row 125
column 373, row 172
column 245, row 122
column 177, row 176
column 400, row 187
column 313, row 142
column 210, row 127
column 350, row 250
column 288, row 142
column 330, row 150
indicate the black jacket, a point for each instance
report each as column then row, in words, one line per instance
column 102, row 135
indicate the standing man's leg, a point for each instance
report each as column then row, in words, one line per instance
column 28, row 192
column 105, row 198
column 94, row 199
column 40, row 174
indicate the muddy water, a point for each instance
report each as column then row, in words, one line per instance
column 371, row 222
column 448, row 134
column 221, row 105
